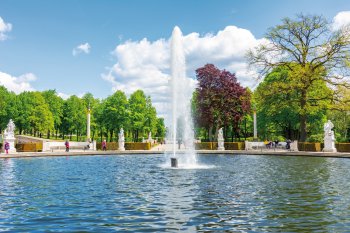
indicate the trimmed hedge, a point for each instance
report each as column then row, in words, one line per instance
column 29, row 147
column 128, row 146
column 234, row 146
column 203, row 146
column 137, row 146
column 214, row 146
column 343, row 147
column 309, row 146
column 109, row 146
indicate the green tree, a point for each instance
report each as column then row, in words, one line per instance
column 138, row 110
column 278, row 106
column 74, row 117
column 41, row 119
column 160, row 128
column 55, row 103
column 340, row 114
column 8, row 108
column 99, row 118
column 151, row 117
column 34, row 114
column 115, row 112
column 312, row 53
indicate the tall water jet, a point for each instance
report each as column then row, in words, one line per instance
column 181, row 131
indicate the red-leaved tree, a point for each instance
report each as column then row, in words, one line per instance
column 221, row 100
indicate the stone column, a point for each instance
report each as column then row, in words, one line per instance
column 88, row 138
column 255, row 128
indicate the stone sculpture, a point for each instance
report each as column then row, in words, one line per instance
column 221, row 140
column 329, row 139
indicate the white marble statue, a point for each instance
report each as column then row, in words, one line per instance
column 329, row 139
column 10, row 130
column 121, row 140
column 9, row 136
column 221, row 140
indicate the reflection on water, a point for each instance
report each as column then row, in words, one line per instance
column 178, row 198
column 133, row 194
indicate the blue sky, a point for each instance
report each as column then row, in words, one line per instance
column 126, row 41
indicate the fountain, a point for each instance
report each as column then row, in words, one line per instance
column 181, row 131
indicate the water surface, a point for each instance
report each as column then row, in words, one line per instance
column 135, row 193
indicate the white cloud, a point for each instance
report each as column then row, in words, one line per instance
column 66, row 96
column 146, row 64
column 17, row 84
column 341, row 19
column 4, row 27
column 83, row 48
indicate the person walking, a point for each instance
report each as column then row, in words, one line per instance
column 7, row 147
column 104, row 145
column 67, row 145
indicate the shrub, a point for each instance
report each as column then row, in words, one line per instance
column 309, row 146
column 29, row 147
column 343, row 147
column 234, row 145
column 109, row 146
column 137, row 146
column 203, row 146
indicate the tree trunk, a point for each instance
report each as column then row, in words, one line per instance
column 111, row 135
column 48, row 134
column 303, row 117
column 216, row 133
column 232, row 133
column 210, row 133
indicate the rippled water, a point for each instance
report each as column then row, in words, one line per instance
column 134, row 193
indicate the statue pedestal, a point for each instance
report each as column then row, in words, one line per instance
column 221, row 144
column 121, row 146
column 294, row 146
column 11, row 141
column 329, row 144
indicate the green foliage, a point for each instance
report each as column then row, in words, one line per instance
column 316, row 138
column 8, row 106
column 314, row 55
column 55, row 104
column 279, row 107
column 39, row 113
column 74, row 117
column 33, row 113
column 160, row 128
column 115, row 112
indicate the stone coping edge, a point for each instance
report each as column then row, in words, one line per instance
column 203, row 152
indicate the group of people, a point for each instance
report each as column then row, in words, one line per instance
column 274, row 144
column 271, row 144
